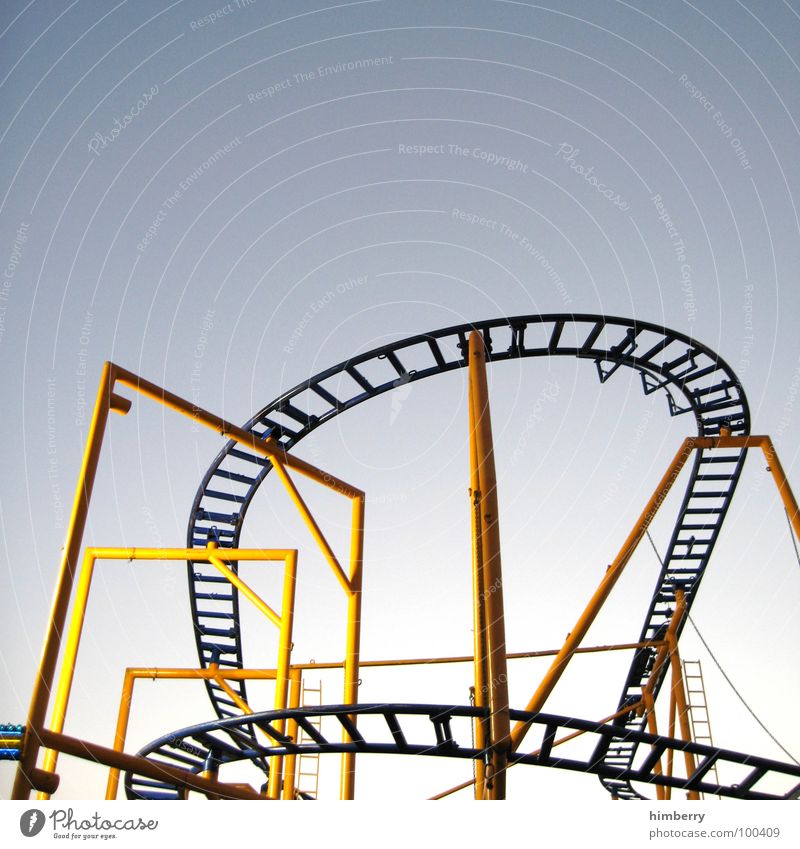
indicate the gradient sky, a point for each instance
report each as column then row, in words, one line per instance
column 228, row 199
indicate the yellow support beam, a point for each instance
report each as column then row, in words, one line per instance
column 29, row 776
column 210, row 555
column 353, row 648
column 210, row 673
column 27, row 771
column 491, row 671
column 678, row 692
column 142, row 766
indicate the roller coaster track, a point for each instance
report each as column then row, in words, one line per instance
column 694, row 379
column 206, row 747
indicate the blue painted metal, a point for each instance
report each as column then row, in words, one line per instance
column 11, row 733
column 190, row 747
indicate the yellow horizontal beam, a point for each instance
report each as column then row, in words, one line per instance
column 265, row 447
column 200, row 555
column 422, row 661
column 201, row 674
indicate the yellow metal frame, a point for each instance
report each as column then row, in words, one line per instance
column 29, row 776
column 615, row 570
column 221, row 677
column 489, row 658
column 210, row 555
column 678, row 703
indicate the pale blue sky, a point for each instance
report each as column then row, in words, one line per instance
column 228, row 206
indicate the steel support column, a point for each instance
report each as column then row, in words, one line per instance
column 488, row 602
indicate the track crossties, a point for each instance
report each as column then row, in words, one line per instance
column 694, row 380
column 207, row 746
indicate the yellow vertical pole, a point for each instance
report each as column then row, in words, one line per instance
column 290, row 768
column 670, row 733
column 478, row 607
column 43, row 682
column 679, row 692
column 284, row 661
column 652, row 727
column 121, row 732
column 353, row 648
column 662, row 655
column 488, row 517
column 67, row 673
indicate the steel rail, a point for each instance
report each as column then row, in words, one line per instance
column 201, row 748
column 695, row 380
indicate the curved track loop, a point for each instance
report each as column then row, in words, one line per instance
column 205, row 746
column 694, row 379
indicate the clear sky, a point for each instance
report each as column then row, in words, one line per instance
column 227, row 199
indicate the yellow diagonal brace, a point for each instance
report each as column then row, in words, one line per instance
column 610, row 578
column 311, row 523
column 245, row 589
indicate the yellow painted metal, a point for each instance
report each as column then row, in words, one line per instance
column 275, row 763
column 662, row 656
column 559, row 742
column 211, row 555
column 652, row 727
column 213, row 671
column 468, row 658
column 480, row 650
column 670, row 752
column 290, row 766
column 265, row 447
column 353, row 647
column 243, row 588
column 68, row 664
column 312, row 525
column 142, row 766
column 490, row 599
column 486, row 539
column 132, row 674
column 107, row 399
column 284, row 658
column 222, row 675
column 678, row 692
column 197, row 555
column 779, row 476
column 610, row 578
column 121, row 732
column 773, row 465
column 43, row 682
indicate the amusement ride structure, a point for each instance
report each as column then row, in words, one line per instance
column 628, row 751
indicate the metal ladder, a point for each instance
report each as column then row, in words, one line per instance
column 698, row 707
column 307, row 781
